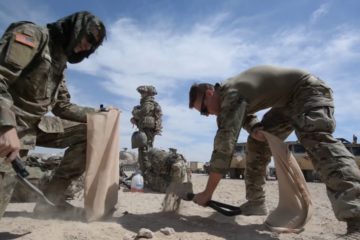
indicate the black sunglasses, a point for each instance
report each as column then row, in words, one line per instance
column 90, row 38
column 204, row 110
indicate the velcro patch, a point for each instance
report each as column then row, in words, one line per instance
column 25, row 39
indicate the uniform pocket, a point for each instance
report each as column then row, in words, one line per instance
column 316, row 120
column 337, row 150
column 18, row 54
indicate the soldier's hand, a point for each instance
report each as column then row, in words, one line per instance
column 9, row 144
column 107, row 109
column 202, row 199
column 257, row 134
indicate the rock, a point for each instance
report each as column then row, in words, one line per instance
column 129, row 237
column 167, row 231
column 145, row 233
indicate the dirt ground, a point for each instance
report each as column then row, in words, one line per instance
column 143, row 210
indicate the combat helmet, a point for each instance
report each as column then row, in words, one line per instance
column 138, row 139
column 148, row 89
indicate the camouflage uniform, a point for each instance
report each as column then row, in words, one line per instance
column 299, row 101
column 32, row 63
column 147, row 115
column 147, row 118
column 165, row 167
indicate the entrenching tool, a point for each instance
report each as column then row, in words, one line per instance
column 22, row 173
column 185, row 192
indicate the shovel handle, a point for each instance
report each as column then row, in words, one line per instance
column 189, row 196
column 223, row 208
column 19, row 167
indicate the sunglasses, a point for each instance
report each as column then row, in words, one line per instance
column 90, row 38
column 204, row 110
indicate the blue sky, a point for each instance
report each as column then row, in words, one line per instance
column 173, row 44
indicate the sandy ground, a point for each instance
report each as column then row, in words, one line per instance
column 143, row 210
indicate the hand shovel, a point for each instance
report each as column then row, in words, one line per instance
column 185, row 192
column 22, row 173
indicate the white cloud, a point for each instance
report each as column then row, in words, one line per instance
column 171, row 61
column 320, row 12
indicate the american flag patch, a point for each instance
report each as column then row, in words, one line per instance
column 25, row 39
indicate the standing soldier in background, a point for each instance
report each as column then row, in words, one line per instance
column 33, row 59
column 147, row 118
column 158, row 167
column 147, row 115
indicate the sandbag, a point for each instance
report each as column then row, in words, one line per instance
column 295, row 207
column 102, row 164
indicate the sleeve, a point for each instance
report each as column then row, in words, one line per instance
column 64, row 109
column 251, row 121
column 230, row 121
column 18, row 46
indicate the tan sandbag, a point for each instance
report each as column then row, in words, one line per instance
column 102, row 164
column 295, row 207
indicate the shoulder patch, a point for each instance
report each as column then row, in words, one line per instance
column 25, row 39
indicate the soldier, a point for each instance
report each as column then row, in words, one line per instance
column 165, row 167
column 147, row 115
column 32, row 63
column 298, row 101
column 147, row 118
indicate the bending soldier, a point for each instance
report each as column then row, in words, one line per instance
column 298, row 101
column 32, row 83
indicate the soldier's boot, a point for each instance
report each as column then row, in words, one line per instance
column 353, row 229
column 254, row 208
column 55, row 192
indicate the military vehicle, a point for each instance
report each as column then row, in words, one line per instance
column 238, row 163
column 196, row 167
column 305, row 162
column 128, row 161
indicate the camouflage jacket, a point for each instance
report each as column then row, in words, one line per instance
column 32, row 80
column 257, row 89
column 148, row 115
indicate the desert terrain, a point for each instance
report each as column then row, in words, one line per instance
column 144, row 210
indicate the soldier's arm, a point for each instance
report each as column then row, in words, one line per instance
column 64, row 109
column 18, row 46
column 251, row 121
column 230, row 121
column 136, row 112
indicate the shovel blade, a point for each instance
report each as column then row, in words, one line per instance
column 182, row 190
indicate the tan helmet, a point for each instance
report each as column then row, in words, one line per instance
column 148, row 89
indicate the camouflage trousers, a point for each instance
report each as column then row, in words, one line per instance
column 150, row 134
column 313, row 128
column 72, row 166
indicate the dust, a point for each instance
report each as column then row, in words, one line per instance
column 171, row 203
